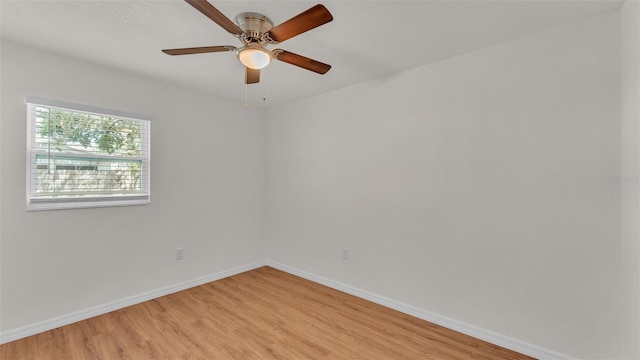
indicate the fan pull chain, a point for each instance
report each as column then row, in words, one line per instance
column 246, row 101
column 264, row 92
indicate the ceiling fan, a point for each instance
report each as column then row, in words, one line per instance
column 256, row 31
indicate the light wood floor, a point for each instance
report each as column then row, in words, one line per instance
column 260, row 314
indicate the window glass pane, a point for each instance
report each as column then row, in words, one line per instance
column 64, row 176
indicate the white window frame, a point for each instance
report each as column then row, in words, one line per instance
column 36, row 204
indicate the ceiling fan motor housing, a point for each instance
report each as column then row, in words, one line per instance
column 255, row 26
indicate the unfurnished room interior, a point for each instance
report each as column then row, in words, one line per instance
column 441, row 179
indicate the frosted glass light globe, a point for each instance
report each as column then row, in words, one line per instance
column 254, row 57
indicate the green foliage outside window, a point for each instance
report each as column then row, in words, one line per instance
column 96, row 133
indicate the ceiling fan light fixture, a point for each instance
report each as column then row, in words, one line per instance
column 254, row 57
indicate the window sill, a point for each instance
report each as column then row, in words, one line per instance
column 44, row 206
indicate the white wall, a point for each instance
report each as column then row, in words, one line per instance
column 478, row 188
column 207, row 194
column 630, row 176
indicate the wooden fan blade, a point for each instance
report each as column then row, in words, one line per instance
column 251, row 76
column 310, row 19
column 198, row 50
column 214, row 14
column 301, row 61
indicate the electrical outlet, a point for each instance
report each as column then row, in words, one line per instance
column 179, row 254
column 345, row 253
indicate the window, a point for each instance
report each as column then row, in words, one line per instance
column 80, row 156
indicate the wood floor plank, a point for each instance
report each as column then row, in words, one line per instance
column 261, row 314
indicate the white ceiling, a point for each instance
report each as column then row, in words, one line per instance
column 366, row 40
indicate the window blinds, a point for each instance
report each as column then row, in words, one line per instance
column 81, row 156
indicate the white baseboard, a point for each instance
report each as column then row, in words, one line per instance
column 488, row 336
column 50, row 324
